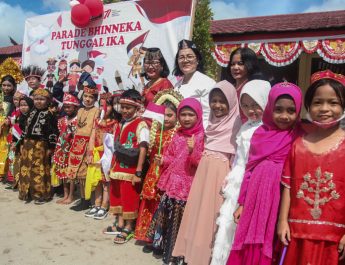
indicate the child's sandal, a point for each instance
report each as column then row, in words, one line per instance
column 124, row 238
column 111, row 231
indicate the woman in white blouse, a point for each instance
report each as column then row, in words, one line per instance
column 189, row 66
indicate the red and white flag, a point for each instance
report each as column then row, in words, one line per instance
column 155, row 112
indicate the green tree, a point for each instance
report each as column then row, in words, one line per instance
column 202, row 37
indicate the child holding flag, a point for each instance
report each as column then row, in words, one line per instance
column 160, row 138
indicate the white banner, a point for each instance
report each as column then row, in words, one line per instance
column 112, row 48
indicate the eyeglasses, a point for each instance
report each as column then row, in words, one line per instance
column 187, row 58
column 152, row 63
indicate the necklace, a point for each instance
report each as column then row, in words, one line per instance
column 82, row 122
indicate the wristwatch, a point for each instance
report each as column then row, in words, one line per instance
column 139, row 174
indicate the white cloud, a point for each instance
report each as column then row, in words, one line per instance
column 12, row 21
column 223, row 10
column 56, row 5
column 327, row 5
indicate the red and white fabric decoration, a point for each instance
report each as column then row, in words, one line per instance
column 155, row 112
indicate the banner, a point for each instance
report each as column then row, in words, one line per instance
column 111, row 49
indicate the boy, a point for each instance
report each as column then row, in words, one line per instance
column 77, row 162
column 131, row 141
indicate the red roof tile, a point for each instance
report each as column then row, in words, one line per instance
column 11, row 49
column 280, row 23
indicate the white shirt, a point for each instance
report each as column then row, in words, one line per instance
column 199, row 87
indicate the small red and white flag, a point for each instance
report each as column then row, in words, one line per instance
column 155, row 112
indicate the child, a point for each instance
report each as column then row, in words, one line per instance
column 95, row 179
column 260, row 192
column 312, row 214
column 253, row 99
column 131, row 140
column 150, row 194
column 77, row 161
column 39, row 140
column 67, row 126
column 179, row 163
column 198, row 226
column 8, row 87
column 26, row 105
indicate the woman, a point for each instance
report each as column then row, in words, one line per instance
column 189, row 66
column 156, row 71
column 243, row 66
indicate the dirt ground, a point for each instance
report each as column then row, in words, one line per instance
column 53, row 234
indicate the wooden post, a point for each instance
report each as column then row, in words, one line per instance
column 194, row 4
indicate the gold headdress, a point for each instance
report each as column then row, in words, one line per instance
column 11, row 67
column 165, row 95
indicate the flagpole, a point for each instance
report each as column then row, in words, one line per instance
column 160, row 146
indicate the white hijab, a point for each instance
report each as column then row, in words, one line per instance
column 258, row 90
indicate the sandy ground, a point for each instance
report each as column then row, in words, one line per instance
column 53, row 234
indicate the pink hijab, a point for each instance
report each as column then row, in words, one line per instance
column 268, row 141
column 221, row 132
column 195, row 105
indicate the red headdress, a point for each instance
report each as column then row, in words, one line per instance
column 327, row 74
column 69, row 99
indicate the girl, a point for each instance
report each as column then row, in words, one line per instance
column 39, row 139
column 26, row 104
column 253, row 101
column 194, row 240
column 312, row 214
column 243, row 67
column 150, row 194
column 260, row 192
column 179, row 164
column 77, row 160
column 95, row 179
column 8, row 87
column 67, row 126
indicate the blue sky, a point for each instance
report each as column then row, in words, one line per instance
column 14, row 12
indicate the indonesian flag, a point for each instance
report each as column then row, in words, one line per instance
column 139, row 40
column 155, row 112
column 16, row 131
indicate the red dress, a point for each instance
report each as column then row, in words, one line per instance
column 150, row 92
column 150, row 194
column 317, row 207
column 66, row 128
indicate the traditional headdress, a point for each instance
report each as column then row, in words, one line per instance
column 42, row 92
column 165, row 95
column 70, row 100
column 117, row 93
column 153, row 54
column 32, row 70
column 51, row 61
column 11, row 67
column 327, row 74
column 186, row 44
column 130, row 101
column 90, row 86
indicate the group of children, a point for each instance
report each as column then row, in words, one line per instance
column 268, row 191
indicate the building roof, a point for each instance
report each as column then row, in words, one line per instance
column 11, row 49
column 280, row 23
